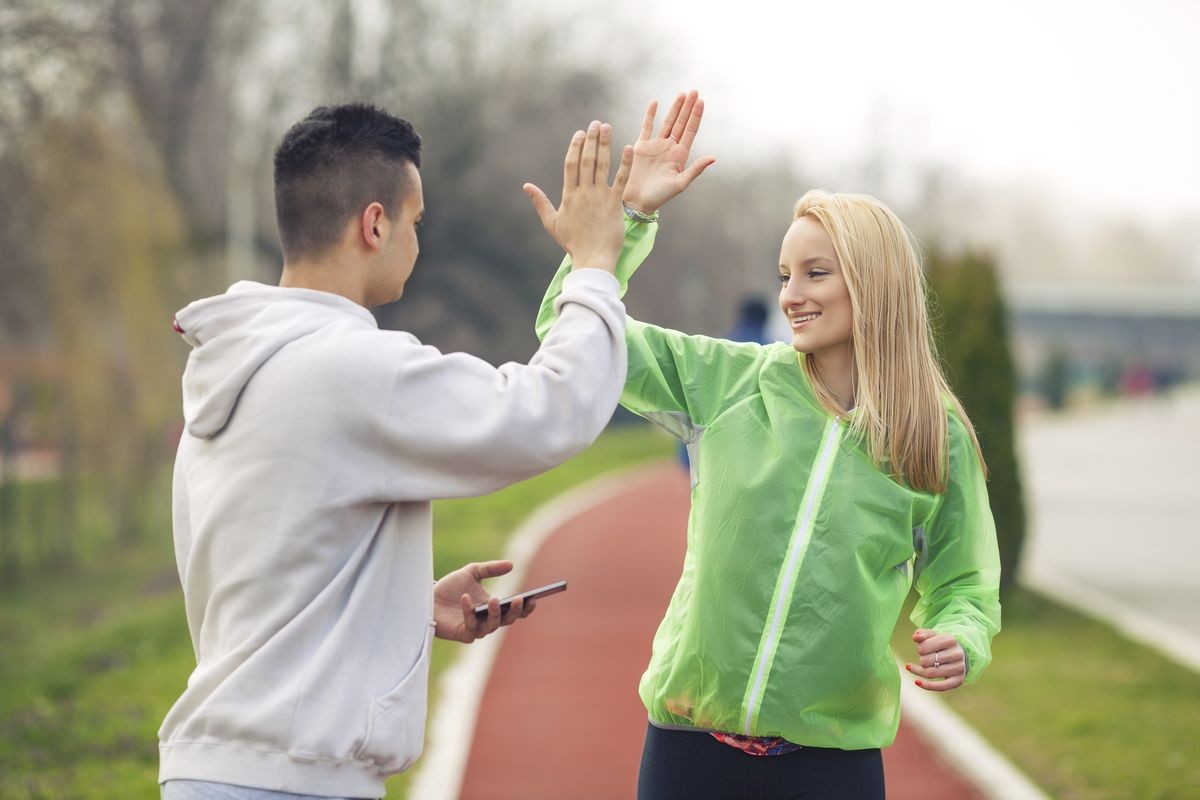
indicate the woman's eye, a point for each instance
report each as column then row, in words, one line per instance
column 817, row 273
column 783, row 278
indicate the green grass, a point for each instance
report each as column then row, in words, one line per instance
column 48, row 526
column 91, row 658
column 1086, row 713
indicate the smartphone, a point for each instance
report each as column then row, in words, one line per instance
column 532, row 594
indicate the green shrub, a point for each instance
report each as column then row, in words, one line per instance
column 972, row 332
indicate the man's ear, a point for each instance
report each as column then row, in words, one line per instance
column 373, row 226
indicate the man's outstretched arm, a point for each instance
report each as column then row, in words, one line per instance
column 455, row 425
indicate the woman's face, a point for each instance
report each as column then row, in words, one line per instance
column 813, row 293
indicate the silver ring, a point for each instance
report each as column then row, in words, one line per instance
column 937, row 661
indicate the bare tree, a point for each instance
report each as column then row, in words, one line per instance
column 168, row 63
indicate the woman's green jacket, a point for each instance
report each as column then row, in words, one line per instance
column 800, row 551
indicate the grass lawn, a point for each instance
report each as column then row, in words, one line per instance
column 1086, row 713
column 92, row 659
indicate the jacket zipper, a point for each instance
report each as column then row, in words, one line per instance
column 786, row 582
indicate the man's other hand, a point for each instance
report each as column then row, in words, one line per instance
column 456, row 595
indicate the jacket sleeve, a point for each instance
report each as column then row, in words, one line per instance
column 677, row 381
column 958, row 576
column 456, row 426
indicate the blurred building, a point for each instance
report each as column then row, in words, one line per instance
column 1117, row 338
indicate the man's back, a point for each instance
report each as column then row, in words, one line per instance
column 302, row 491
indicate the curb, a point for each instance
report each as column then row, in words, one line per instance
column 963, row 748
column 1139, row 626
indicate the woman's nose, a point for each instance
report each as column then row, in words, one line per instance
column 791, row 295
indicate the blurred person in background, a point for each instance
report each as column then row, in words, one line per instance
column 751, row 324
column 314, row 444
column 829, row 473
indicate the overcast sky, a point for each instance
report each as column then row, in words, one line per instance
column 1099, row 100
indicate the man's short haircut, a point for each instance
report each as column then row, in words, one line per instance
column 333, row 164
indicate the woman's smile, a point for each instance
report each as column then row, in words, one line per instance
column 801, row 320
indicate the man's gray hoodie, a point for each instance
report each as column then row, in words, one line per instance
column 314, row 444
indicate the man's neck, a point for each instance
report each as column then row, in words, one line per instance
column 327, row 275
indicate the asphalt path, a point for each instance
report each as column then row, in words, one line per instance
column 1112, row 497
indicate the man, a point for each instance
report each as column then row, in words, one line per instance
column 314, row 445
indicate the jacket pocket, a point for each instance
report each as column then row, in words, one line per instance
column 396, row 721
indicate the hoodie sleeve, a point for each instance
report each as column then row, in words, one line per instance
column 959, row 579
column 677, row 381
column 457, row 426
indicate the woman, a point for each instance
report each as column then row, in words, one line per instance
column 827, row 475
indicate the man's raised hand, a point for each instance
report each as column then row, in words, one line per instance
column 589, row 223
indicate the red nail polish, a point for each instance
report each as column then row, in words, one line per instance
column 919, row 683
column 908, row 667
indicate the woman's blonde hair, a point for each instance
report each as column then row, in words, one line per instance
column 899, row 384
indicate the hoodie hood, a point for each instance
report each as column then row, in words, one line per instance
column 235, row 333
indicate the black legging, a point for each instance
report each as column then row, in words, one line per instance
column 694, row 765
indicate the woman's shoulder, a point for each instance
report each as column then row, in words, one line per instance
column 959, row 426
column 961, row 438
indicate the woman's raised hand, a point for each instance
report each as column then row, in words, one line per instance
column 589, row 223
column 660, row 169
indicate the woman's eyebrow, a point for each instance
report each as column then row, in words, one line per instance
column 810, row 261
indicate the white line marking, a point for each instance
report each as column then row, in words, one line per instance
column 963, row 747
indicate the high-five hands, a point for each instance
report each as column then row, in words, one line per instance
column 660, row 169
column 589, row 223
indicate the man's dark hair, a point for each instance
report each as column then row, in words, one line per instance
column 334, row 163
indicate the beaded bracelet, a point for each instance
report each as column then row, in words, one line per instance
column 638, row 216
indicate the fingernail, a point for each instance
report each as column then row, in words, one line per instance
column 920, row 684
column 908, row 667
